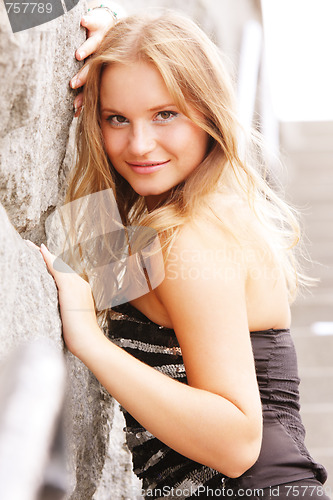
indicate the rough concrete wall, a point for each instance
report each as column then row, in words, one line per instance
column 27, row 293
column 29, row 312
column 36, row 108
column 36, row 111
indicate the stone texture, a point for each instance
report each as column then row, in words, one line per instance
column 27, row 292
column 95, row 458
column 31, row 364
column 36, row 111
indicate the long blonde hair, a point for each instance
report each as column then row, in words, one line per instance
column 194, row 73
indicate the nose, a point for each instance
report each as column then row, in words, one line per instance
column 141, row 139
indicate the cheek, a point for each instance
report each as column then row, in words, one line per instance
column 186, row 139
column 198, row 141
column 195, row 137
column 113, row 144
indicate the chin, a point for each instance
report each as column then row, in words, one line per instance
column 144, row 191
column 154, row 198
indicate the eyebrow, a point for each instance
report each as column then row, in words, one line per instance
column 155, row 108
column 163, row 106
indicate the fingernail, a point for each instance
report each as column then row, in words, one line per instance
column 75, row 82
column 81, row 54
column 78, row 102
column 43, row 247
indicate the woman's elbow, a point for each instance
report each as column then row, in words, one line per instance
column 244, row 456
column 245, row 460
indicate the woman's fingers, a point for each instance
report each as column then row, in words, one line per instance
column 78, row 101
column 98, row 19
column 81, row 77
column 48, row 258
column 89, row 46
column 76, row 303
column 78, row 104
column 97, row 22
column 78, row 81
column 55, row 265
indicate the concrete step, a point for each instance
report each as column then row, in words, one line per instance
column 305, row 136
column 319, row 233
column 322, row 212
column 321, row 436
column 321, row 255
column 305, row 163
column 310, row 309
column 316, row 385
column 310, row 192
column 314, row 351
column 323, row 273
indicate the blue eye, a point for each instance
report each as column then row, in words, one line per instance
column 166, row 116
column 117, row 120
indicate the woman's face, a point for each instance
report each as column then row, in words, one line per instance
column 149, row 142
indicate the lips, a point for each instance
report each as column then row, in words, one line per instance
column 146, row 163
column 147, row 167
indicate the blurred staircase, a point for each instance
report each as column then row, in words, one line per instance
column 308, row 180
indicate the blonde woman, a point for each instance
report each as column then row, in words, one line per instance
column 203, row 364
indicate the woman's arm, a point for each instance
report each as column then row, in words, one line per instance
column 216, row 419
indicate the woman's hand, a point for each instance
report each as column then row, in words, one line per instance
column 97, row 22
column 80, row 327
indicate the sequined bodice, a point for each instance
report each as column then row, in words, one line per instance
column 283, row 455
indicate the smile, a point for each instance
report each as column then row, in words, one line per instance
column 147, row 167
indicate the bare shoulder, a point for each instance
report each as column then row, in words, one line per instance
column 206, row 244
column 205, row 269
column 235, row 271
column 204, row 262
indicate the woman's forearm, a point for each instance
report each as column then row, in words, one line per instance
column 203, row 426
